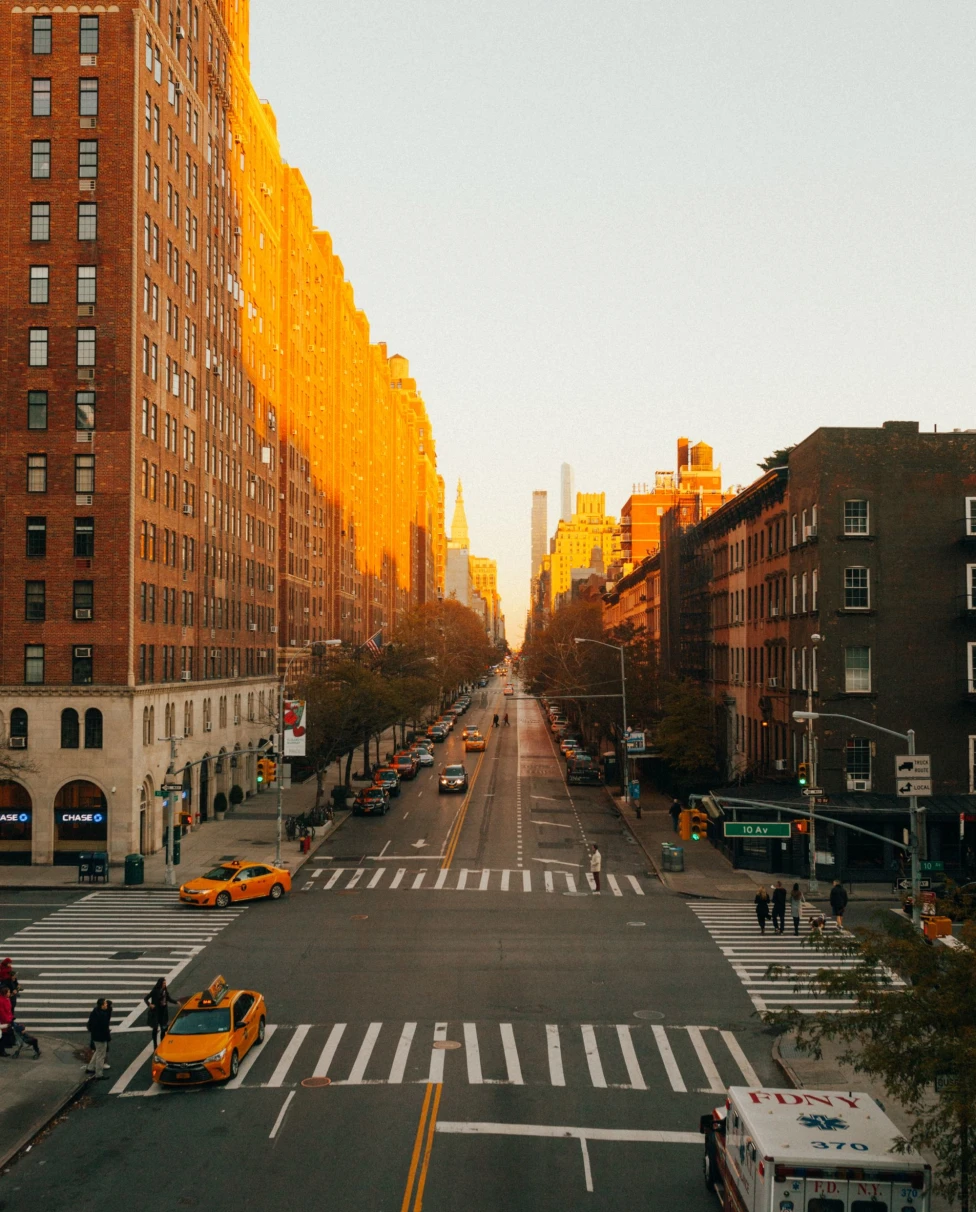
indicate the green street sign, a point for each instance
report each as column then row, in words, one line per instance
column 757, row 828
column 932, row 865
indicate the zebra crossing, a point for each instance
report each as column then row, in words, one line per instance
column 734, row 928
column 112, row 944
column 600, row 1056
column 467, row 879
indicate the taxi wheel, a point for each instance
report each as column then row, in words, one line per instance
column 261, row 1030
column 222, row 900
column 276, row 892
column 235, row 1063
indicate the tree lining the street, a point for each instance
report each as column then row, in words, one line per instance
column 910, row 1036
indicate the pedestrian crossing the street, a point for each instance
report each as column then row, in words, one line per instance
column 107, row 944
column 734, row 927
column 604, row 1056
column 466, row 879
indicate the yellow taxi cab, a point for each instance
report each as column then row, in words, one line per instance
column 236, row 880
column 210, row 1036
column 474, row 740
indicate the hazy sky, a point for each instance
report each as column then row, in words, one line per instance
column 593, row 227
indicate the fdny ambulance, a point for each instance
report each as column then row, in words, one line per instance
column 809, row 1151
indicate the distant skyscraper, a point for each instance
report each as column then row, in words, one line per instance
column 540, row 529
column 567, row 497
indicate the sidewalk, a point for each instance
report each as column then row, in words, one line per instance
column 33, row 1091
column 247, row 832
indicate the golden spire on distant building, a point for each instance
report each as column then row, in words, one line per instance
column 459, row 523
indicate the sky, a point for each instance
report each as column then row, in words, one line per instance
column 596, row 227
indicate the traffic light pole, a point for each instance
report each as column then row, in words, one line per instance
column 813, row 883
column 168, row 806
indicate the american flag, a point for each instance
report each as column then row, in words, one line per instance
column 375, row 641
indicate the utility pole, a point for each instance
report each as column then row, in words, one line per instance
column 168, row 808
column 625, row 775
column 814, row 885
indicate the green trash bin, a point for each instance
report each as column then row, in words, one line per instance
column 134, row 870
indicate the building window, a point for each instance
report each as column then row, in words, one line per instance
column 37, row 350
column 69, row 728
column 39, row 283
column 84, row 473
column 88, row 158
column 857, row 593
column 86, row 347
column 37, row 410
column 33, row 668
column 41, row 99
column 793, row 669
column 35, row 601
column 84, row 545
column 856, row 517
column 857, row 670
column 84, row 410
column 88, row 36
column 814, row 583
column 971, row 667
column 83, row 599
column 93, row 728
column 88, row 98
column 86, row 284
column 40, row 159
column 37, row 473
column 40, row 213
column 42, row 35
column 81, row 665
column 36, row 537
column 87, row 221
column 803, row 593
column 858, row 758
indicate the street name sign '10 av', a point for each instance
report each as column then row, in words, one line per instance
column 757, row 828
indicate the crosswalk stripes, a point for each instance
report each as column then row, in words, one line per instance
column 599, row 1056
column 110, row 944
column 734, row 928
column 463, row 879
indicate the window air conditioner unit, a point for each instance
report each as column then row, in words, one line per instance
column 18, row 742
column 83, row 613
column 84, row 435
column 89, row 60
column 780, row 763
column 86, row 373
column 774, row 612
column 87, row 185
column 237, row 719
column 82, row 652
column 858, row 784
column 177, row 87
column 186, row 675
column 82, row 498
column 208, row 726
column 772, row 683
column 86, row 309
column 252, row 626
column 89, row 123
column 273, row 630
column 188, row 510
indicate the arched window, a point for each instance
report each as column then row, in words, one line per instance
column 145, row 725
column 69, row 728
column 93, row 728
column 168, row 725
column 18, row 728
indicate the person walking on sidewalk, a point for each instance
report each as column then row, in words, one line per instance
column 506, row 719
column 9, row 978
column 158, row 1000
column 838, row 902
column 100, row 1030
column 796, row 904
column 779, row 908
column 675, row 811
column 596, row 866
column 762, row 908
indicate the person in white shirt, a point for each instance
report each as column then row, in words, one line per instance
column 596, row 866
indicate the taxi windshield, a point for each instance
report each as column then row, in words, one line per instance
column 221, row 873
column 201, row 1022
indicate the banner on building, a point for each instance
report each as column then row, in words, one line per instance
column 295, row 726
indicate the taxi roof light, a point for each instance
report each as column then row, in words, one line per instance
column 214, row 993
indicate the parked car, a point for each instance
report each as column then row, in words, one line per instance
column 423, row 755
column 388, row 778
column 452, row 778
column 371, row 801
column 405, row 764
column 437, row 733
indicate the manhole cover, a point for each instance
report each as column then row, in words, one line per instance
column 648, row 1014
column 637, row 923
column 312, row 1083
column 359, row 917
column 446, row 1045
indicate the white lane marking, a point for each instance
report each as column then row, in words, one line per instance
column 614, row 886
column 505, row 874
column 328, row 1052
column 358, row 1071
column 591, row 882
column 402, row 818
column 587, row 1172
column 551, row 824
column 630, row 1058
column 548, row 878
column 437, row 1055
column 399, row 1066
column 556, row 1075
column 418, row 879
column 593, row 1056
column 634, row 884
column 281, row 1069
column 473, row 1055
column 317, row 872
column 441, row 877
column 395, row 882
column 377, row 876
column 641, row 1135
column 132, row 1070
column 715, row 1082
column 485, row 876
column 462, row 879
column 670, row 1064
column 526, row 881
column 360, row 872
column 570, row 880
column 747, row 1071
column 333, row 879
column 558, row 862
column 281, row 1115
column 511, row 1054
column 235, row 1083
column 384, row 850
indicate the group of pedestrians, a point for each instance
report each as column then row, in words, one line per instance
column 774, row 907
column 12, row 1034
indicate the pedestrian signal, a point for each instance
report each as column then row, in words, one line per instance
column 803, row 774
column 802, row 826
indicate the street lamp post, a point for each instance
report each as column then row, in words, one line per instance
column 812, row 760
column 623, row 699
column 914, row 832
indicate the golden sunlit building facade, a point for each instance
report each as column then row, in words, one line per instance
column 589, row 540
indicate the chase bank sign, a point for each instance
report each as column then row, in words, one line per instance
column 14, row 818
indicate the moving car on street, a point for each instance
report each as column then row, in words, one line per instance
column 236, row 880
column 210, row 1036
column 474, row 741
column 581, row 770
column 371, row 801
column 509, row 690
column 452, row 778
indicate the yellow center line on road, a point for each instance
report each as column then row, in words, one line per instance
column 417, row 1146
column 455, row 834
column 431, row 1126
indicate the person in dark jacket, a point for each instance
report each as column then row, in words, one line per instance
column 838, row 902
column 9, row 978
column 675, row 811
column 779, row 908
column 762, row 908
column 6, row 1022
column 100, row 1030
column 158, row 1001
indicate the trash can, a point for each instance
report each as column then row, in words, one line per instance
column 134, row 870
column 100, row 866
column 677, row 858
column 85, row 860
column 665, row 856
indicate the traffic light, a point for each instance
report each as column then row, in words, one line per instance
column 684, row 825
column 803, row 774
column 699, row 824
column 266, row 770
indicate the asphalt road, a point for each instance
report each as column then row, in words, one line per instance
column 584, row 1035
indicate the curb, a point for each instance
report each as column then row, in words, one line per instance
column 791, row 1075
column 650, row 858
column 8, row 1153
